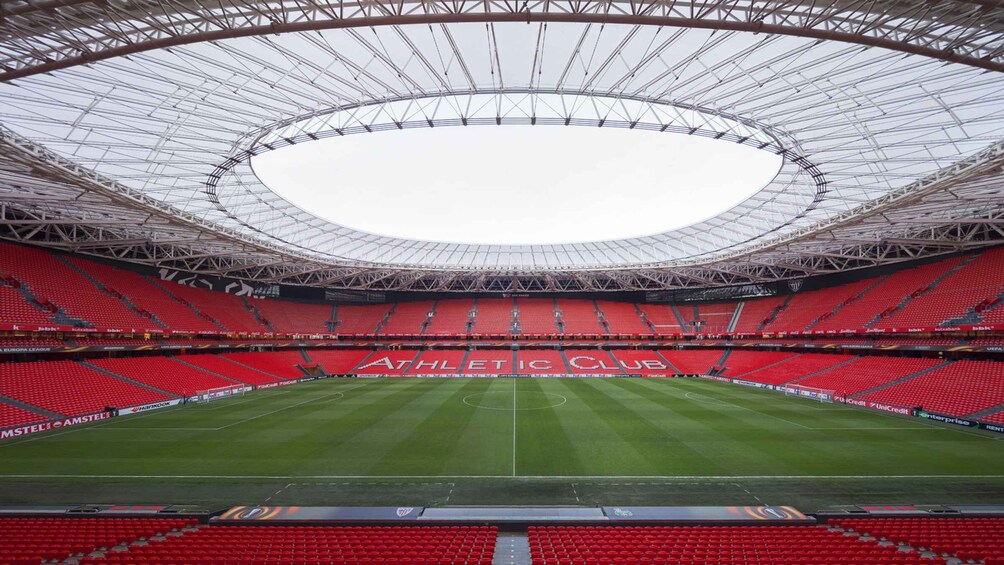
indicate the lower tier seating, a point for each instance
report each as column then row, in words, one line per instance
column 796, row 367
column 438, row 545
column 69, row 388
column 229, row 369
column 11, row 416
column 960, row 388
column 438, row 362
column 279, row 363
column 693, row 362
column 708, row 545
column 338, row 361
column 34, row 540
column 997, row 417
column 867, row 372
column 969, row 539
column 163, row 373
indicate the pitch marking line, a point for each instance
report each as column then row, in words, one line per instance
column 155, row 412
column 563, row 401
column 514, row 427
column 670, row 478
column 745, row 408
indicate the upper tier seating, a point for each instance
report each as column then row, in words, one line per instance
column 295, row 317
column 795, row 367
column 706, row 545
column 494, row 316
column 228, row 310
column 295, row 545
column 14, row 309
column 716, row 317
column 408, row 317
column 279, row 363
column 741, row 362
column 693, row 361
column 960, row 388
column 887, row 295
column 438, row 362
column 11, row 416
column 361, row 319
column 756, row 312
column 36, row 540
column 451, row 317
column 969, row 539
column 579, row 316
column 489, row 362
column 954, row 296
column 642, row 362
column 146, row 295
column 867, row 372
column 662, row 319
column 70, row 388
column 622, row 318
column 50, row 279
column 229, row 369
column 540, row 362
column 804, row 308
column 163, row 373
column 389, row 362
column 536, row 316
column 338, row 361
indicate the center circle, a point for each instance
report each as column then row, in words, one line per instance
column 503, row 400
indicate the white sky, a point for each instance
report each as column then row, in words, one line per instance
column 516, row 184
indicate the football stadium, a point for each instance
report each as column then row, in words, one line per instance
column 518, row 283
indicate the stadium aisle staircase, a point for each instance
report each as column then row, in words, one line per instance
column 970, row 539
column 282, row 364
column 69, row 388
column 164, row 374
column 12, row 415
column 709, row 545
column 225, row 369
column 54, row 540
column 959, row 388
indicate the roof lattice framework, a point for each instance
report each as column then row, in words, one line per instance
column 128, row 131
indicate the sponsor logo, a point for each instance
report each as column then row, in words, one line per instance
column 886, row 407
column 53, row 424
column 994, row 428
column 753, row 384
column 145, row 407
column 403, row 511
column 623, row 513
column 947, row 419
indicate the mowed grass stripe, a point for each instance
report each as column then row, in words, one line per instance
column 353, row 441
column 544, row 445
column 709, row 431
column 485, row 444
column 633, row 432
column 686, row 448
column 598, row 447
column 427, row 444
column 867, row 451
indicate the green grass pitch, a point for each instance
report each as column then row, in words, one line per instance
column 569, row 441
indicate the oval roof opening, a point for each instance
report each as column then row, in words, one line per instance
column 516, row 184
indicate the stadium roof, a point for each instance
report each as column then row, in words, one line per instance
column 128, row 129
